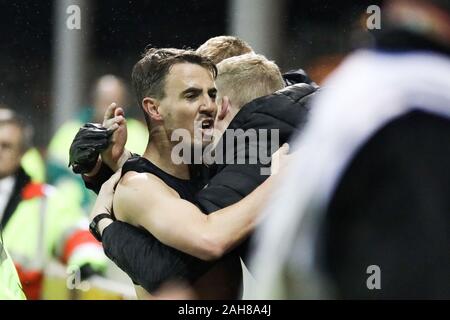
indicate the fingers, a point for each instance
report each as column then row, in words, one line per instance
column 119, row 112
column 114, row 127
column 109, row 113
column 284, row 148
column 113, row 123
column 280, row 158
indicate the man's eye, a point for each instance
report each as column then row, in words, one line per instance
column 190, row 96
column 213, row 95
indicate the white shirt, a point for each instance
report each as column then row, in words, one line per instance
column 6, row 189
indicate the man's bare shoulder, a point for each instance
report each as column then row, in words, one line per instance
column 136, row 179
column 143, row 182
column 138, row 193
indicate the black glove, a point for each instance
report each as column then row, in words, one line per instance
column 90, row 140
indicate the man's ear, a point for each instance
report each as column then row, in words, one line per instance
column 224, row 108
column 151, row 107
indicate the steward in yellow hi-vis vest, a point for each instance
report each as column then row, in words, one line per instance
column 34, row 165
column 41, row 223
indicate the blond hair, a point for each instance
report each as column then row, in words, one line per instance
column 223, row 47
column 247, row 77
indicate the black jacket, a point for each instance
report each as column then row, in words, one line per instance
column 286, row 110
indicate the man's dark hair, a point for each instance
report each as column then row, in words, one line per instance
column 149, row 73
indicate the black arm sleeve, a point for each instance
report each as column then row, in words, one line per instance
column 147, row 261
column 94, row 183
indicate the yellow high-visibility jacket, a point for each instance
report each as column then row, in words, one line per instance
column 47, row 224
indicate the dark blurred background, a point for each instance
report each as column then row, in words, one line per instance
column 313, row 35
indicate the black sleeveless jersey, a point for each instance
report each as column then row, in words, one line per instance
column 168, row 263
column 183, row 187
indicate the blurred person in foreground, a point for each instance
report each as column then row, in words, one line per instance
column 228, row 182
column 107, row 89
column 37, row 223
column 363, row 211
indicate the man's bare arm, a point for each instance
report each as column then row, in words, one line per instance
column 146, row 201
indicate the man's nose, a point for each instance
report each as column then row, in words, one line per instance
column 208, row 106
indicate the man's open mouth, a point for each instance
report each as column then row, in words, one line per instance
column 207, row 129
column 207, row 124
